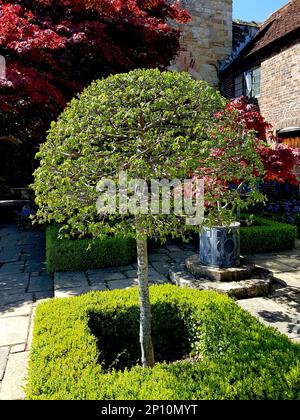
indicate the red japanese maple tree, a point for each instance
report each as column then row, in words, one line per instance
column 278, row 159
column 54, row 48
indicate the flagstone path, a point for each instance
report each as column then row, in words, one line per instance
column 24, row 283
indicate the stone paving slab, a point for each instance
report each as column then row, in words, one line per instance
column 70, row 280
column 162, row 267
column 31, row 326
column 16, row 299
column 158, row 280
column 133, row 273
column 122, row 284
column 275, row 315
column 16, row 309
column 14, row 330
column 288, row 297
column 40, row 284
column 4, row 352
column 18, row 348
column 291, row 279
column 181, row 255
column 292, row 262
column 12, row 268
column 159, row 258
column 276, row 266
column 22, row 257
column 15, row 377
column 14, row 284
column 34, row 266
column 16, row 279
column 7, row 256
column 134, row 282
column 44, row 295
column 173, row 248
column 109, row 270
column 101, row 277
column 78, row 291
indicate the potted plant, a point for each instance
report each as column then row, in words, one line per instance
column 230, row 170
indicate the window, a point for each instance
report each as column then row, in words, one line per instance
column 248, row 84
column 239, row 86
column 256, row 83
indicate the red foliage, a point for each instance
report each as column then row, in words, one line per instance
column 53, row 48
column 279, row 160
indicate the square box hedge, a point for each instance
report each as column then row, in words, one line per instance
column 87, row 348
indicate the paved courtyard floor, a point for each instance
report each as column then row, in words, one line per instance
column 24, row 283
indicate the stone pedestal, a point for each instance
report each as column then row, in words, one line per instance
column 244, row 282
column 243, row 272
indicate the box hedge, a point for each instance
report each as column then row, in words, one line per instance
column 266, row 235
column 206, row 348
column 297, row 224
column 263, row 236
column 84, row 254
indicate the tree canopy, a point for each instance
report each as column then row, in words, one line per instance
column 151, row 125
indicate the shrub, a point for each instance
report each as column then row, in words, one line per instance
column 84, row 254
column 224, row 352
column 297, row 224
column 267, row 236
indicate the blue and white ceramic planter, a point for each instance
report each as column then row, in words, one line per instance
column 220, row 246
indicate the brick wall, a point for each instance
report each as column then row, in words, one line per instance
column 279, row 101
column 206, row 40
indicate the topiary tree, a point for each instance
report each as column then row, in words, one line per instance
column 149, row 125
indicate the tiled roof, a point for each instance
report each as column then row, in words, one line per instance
column 278, row 25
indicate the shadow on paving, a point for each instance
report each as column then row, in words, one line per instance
column 23, row 276
column 292, row 323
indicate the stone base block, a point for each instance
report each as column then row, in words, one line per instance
column 257, row 285
column 244, row 271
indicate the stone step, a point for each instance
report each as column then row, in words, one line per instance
column 243, row 272
column 244, row 289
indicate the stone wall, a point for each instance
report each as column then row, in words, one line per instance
column 206, row 40
column 279, row 101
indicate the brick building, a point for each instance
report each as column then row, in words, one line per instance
column 265, row 66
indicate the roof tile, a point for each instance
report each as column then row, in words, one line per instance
column 279, row 24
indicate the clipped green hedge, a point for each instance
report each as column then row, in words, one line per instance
column 267, row 235
column 297, row 224
column 84, row 254
column 224, row 352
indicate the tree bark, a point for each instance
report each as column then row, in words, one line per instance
column 145, row 308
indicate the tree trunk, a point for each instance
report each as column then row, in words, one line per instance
column 145, row 308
